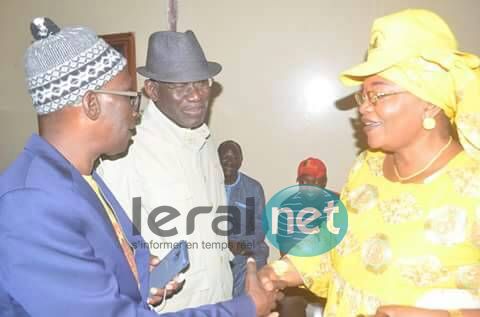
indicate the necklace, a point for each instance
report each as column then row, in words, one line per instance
column 430, row 163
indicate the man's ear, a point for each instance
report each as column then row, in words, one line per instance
column 91, row 105
column 151, row 90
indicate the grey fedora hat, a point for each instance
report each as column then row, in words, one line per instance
column 177, row 57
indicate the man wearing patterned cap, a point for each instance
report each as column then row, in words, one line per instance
column 67, row 248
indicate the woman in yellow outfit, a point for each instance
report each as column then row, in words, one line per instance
column 413, row 243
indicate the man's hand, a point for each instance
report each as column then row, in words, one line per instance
column 158, row 294
column 264, row 300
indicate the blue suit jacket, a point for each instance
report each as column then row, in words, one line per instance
column 59, row 255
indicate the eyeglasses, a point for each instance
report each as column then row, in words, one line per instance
column 186, row 88
column 135, row 97
column 373, row 97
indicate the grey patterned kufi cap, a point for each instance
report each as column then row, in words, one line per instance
column 61, row 65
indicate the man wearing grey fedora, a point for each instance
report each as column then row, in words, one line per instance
column 173, row 162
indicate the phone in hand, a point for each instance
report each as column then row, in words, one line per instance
column 174, row 263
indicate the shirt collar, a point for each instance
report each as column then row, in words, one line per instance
column 154, row 119
column 236, row 181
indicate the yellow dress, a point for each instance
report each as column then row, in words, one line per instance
column 407, row 244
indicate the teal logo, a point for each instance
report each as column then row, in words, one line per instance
column 305, row 220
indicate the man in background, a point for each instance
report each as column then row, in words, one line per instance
column 311, row 171
column 245, row 195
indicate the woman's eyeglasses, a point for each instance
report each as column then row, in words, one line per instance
column 373, row 97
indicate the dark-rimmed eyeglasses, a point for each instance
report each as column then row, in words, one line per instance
column 135, row 97
column 373, row 97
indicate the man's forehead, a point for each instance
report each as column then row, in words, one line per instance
column 310, row 180
column 229, row 148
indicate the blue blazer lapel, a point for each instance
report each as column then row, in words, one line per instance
column 86, row 192
column 126, row 279
column 142, row 253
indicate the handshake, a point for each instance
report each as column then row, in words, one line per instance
column 263, row 287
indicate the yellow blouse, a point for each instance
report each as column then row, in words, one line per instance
column 407, row 244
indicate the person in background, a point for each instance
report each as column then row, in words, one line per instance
column 245, row 194
column 311, row 171
column 413, row 241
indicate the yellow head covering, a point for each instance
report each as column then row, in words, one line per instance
column 416, row 50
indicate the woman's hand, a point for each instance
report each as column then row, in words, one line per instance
column 279, row 274
column 408, row 311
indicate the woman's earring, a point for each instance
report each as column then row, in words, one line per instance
column 429, row 123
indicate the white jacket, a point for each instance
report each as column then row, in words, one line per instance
column 177, row 167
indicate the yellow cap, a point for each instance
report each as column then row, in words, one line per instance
column 399, row 36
